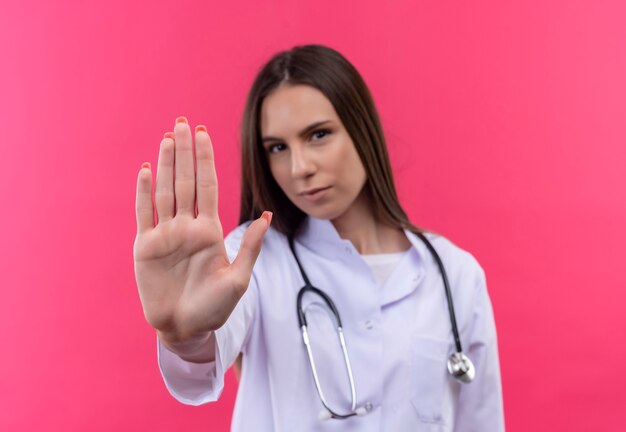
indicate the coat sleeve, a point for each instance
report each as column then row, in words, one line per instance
column 480, row 407
column 198, row 383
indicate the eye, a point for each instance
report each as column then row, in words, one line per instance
column 275, row 148
column 322, row 131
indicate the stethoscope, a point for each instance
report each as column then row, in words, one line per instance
column 459, row 365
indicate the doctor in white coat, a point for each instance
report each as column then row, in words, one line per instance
column 314, row 155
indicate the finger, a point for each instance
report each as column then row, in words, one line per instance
column 251, row 244
column 206, row 177
column 185, row 176
column 164, row 193
column 143, row 205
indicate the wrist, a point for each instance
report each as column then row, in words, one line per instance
column 197, row 349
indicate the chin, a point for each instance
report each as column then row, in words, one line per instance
column 323, row 212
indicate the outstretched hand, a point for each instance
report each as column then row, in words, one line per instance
column 187, row 285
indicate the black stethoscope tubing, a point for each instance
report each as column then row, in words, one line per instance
column 444, row 276
column 459, row 365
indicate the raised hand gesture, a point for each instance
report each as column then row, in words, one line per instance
column 187, row 285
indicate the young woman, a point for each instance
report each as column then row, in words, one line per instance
column 385, row 339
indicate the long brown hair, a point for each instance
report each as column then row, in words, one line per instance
column 332, row 74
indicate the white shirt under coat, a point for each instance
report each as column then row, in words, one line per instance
column 398, row 338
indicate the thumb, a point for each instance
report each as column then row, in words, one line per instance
column 251, row 244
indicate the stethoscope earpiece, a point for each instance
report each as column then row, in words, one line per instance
column 324, row 415
column 461, row 367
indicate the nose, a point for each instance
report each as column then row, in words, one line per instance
column 302, row 165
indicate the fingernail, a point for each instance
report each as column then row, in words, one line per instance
column 146, row 165
column 182, row 119
column 168, row 135
column 267, row 215
column 200, row 128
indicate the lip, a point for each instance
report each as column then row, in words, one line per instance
column 314, row 194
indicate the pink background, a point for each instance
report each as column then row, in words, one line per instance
column 506, row 128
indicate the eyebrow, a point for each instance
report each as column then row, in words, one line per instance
column 301, row 134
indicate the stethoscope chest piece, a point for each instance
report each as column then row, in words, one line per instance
column 461, row 367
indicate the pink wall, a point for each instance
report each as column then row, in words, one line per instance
column 506, row 126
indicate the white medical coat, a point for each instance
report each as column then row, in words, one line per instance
column 398, row 338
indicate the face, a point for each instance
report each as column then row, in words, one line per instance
column 308, row 149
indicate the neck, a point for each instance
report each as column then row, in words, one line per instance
column 368, row 234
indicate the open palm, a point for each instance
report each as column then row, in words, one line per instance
column 187, row 285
